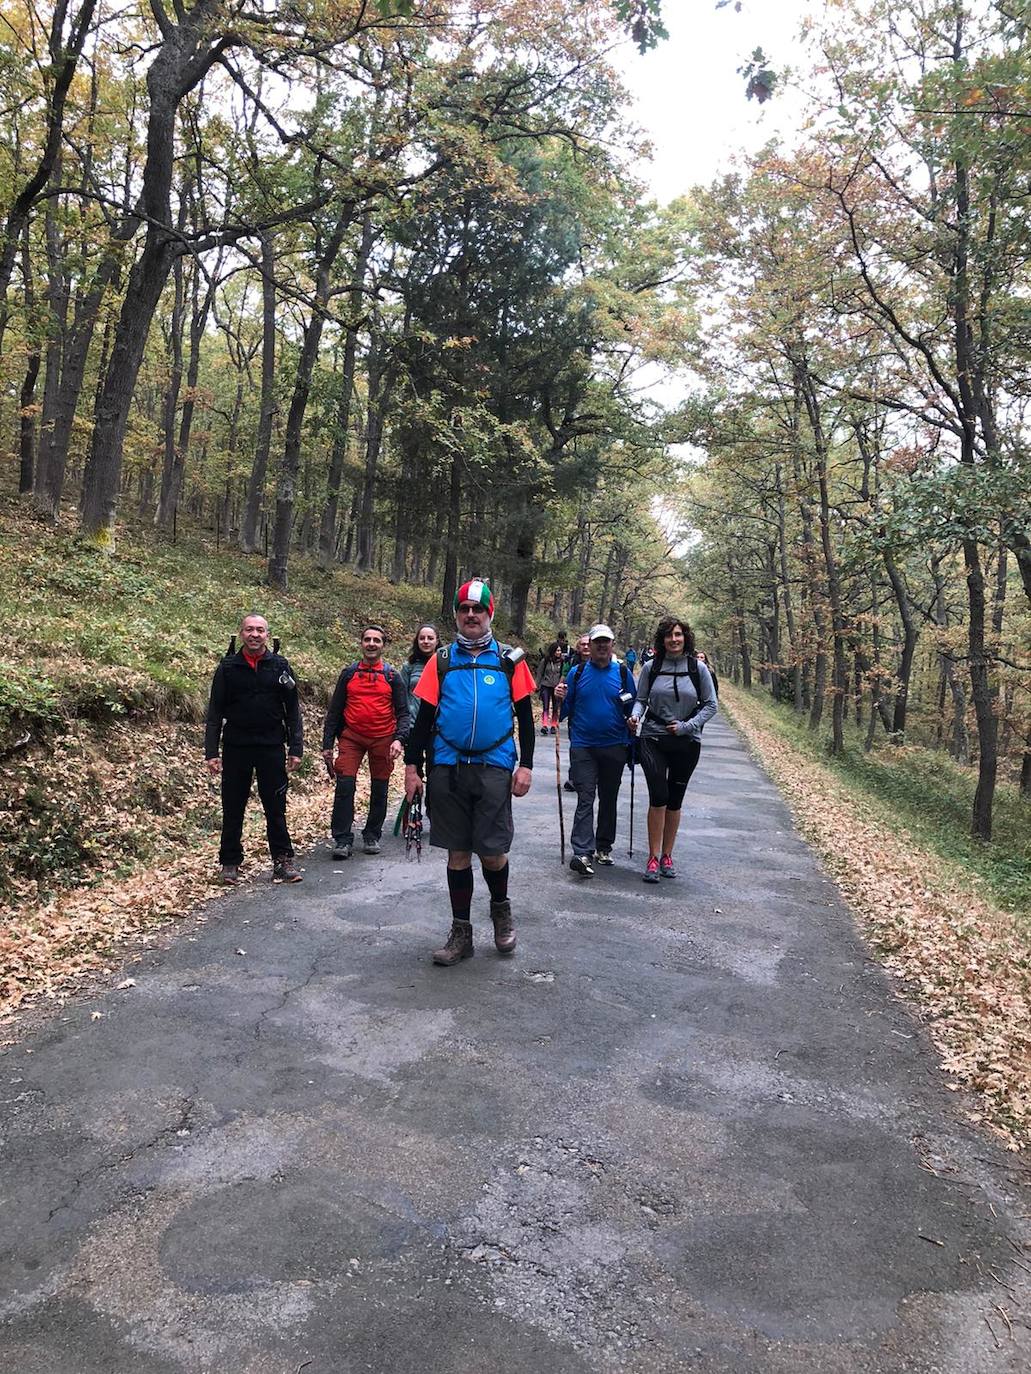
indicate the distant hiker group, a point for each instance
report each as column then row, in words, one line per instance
column 461, row 715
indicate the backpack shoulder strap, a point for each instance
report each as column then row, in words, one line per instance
column 695, row 676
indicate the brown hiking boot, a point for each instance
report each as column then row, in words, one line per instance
column 504, row 935
column 230, row 874
column 284, row 870
column 459, row 945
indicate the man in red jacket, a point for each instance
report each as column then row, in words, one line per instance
column 367, row 715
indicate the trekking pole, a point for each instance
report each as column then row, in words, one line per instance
column 558, row 785
column 413, row 828
column 633, row 756
column 633, row 753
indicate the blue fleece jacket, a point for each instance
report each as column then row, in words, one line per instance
column 592, row 699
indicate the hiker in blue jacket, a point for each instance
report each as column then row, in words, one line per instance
column 596, row 699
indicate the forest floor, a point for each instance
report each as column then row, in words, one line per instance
column 928, row 912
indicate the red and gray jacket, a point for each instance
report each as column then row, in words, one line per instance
column 368, row 701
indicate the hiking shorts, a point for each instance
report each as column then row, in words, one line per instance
column 668, row 762
column 471, row 806
column 352, row 748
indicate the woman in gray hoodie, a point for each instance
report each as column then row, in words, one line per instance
column 675, row 698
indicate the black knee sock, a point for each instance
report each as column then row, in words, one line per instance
column 460, row 888
column 497, row 882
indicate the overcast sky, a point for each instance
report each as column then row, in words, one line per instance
column 689, row 98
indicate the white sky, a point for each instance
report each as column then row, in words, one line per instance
column 689, row 98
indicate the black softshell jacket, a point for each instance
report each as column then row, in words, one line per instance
column 258, row 709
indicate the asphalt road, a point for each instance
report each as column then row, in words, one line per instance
column 686, row 1127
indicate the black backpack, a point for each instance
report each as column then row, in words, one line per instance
column 692, row 673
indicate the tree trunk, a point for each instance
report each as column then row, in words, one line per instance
column 291, row 461
column 250, row 540
column 180, row 64
column 27, row 399
column 64, row 57
column 171, row 467
column 909, row 642
column 327, row 527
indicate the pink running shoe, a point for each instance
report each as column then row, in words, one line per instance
column 666, row 866
column 651, row 872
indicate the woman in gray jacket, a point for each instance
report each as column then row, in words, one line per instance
column 668, row 717
column 424, row 646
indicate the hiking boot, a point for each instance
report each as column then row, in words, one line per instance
column 666, row 866
column 371, row 846
column 342, row 849
column 581, row 863
column 286, row 871
column 230, row 874
column 651, row 871
column 544, row 729
column 604, row 857
column 459, row 945
column 568, row 786
column 504, row 935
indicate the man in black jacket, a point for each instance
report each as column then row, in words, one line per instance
column 254, row 693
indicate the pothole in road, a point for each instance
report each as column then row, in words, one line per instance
column 561, row 1235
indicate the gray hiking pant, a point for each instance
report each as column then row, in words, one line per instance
column 596, row 772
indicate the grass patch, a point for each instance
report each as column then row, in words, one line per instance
column 931, row 796
column 138, row 633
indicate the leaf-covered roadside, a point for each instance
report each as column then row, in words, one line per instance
column 155, row 818
column 966, row 964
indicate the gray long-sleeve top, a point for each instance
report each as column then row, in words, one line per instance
column 671, row 699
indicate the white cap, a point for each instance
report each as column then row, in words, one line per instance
column 600, row 632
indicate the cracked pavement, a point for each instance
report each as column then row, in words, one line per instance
column 686, row 1127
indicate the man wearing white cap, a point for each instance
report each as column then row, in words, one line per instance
column 596, row 699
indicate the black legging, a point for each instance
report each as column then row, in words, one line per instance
column 668, row 762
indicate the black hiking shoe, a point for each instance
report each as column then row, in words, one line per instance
column 568, row 786
column 504, row 934
column 604, row 857
column 459, row 945
column 342, row 849
column 371, row 846
column 581, row 863
column 230, row 874
column 286, row 871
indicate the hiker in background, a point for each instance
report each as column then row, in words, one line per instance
column 631, row 658
column 468, row 694
column 703, row 658
column 424, row 646
column 675, row 698
column 549, row 674
column 596, row 699
column 580, row 653
column 368, row 714
column 254, row 697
